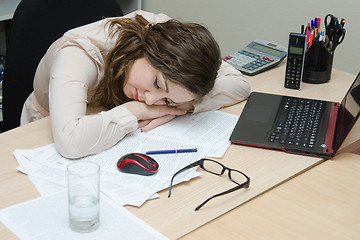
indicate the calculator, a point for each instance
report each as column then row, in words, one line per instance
column 257, row 57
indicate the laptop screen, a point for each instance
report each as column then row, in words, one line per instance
column 348, row 113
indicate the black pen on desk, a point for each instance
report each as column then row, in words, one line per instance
column 185, row 150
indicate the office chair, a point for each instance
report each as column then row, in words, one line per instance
column 36, row 24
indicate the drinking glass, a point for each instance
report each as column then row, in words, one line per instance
column 83, row 196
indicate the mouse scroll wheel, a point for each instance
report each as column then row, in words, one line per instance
column 147, row 158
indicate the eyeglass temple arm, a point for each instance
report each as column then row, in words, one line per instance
column 244, row 185
column 180, row 171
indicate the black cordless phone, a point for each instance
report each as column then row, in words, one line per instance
column 295, row 61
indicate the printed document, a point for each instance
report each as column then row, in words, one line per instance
column 208, row 132
column 46, row 218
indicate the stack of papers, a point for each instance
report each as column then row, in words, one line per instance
column 208, row 132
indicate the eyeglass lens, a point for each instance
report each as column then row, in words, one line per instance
column 216, row 168
column 219, row 169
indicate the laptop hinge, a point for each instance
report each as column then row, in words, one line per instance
column 330, row 131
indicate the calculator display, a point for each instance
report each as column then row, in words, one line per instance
column 267, row 49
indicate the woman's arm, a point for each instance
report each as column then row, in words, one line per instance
column 230, row 87
column 75, row 134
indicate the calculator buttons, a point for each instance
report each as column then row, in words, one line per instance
column 246, row 60
column 268, row 59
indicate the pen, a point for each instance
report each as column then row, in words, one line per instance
column 318, row 22
column 342, row 22
column 185, row 150
column 307, row 32
column 322, row 35
column 311, row 39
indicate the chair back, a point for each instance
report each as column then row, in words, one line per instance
column 36, row 24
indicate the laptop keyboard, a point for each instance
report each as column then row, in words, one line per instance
column 298, row 122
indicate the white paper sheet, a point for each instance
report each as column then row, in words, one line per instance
column 46, row 218
column 124, row 189
column 208, row 131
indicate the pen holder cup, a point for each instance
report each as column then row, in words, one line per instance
column 318, row 63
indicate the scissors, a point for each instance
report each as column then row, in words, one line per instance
column 337, row 38
column 334, row 31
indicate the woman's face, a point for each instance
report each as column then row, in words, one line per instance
column 147, row 84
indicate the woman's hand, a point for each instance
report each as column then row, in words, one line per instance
column 147, row 125
column 151, row 116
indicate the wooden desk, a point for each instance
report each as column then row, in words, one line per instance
column 322, row 203
column 176, row 217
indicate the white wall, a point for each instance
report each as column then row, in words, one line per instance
column 128, row 6
column 235, row 23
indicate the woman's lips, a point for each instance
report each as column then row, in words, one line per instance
column 136, row 95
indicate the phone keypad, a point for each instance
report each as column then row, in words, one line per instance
column 293, row 72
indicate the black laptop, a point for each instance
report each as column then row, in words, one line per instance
column 298, row 125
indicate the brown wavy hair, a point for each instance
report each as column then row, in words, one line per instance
column 186, row 53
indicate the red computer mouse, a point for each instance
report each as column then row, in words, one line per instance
column 137, row 163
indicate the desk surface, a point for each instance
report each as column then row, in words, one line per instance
column 176, row 217
column 322, row 203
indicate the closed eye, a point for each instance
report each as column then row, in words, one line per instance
column 167, row 102
column 170, row 103
column 156, row 83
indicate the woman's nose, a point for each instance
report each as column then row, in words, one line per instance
column 152, row 99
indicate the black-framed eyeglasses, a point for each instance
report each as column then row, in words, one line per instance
column 214, row 167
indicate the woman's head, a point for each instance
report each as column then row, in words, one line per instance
column 185, row 54
column 147, row 84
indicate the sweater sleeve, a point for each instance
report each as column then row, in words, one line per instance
column 230, row 87
column 76, row 134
